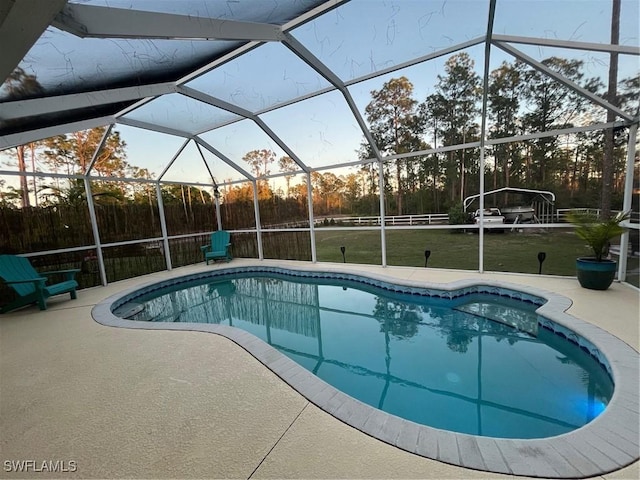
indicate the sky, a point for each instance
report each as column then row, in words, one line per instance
column 322, row 131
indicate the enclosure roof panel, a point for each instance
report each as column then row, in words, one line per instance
column 393, row 32
column 61, row 63
column 185, row 67
column 573, row 20
column 259, row 11
column 182, row 113
column 98, row 45
column 261, row 78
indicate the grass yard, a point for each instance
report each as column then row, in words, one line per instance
column 504, row 252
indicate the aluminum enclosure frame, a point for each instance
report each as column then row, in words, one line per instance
column 70, row 17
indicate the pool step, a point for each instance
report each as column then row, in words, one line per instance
column 129, row 310
column 523, row 320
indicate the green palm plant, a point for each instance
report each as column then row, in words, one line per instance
column 598, row 233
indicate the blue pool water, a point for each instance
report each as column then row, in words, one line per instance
column 477, row 364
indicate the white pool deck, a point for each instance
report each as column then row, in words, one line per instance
column 123, row 403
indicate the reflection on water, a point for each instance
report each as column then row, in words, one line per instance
column 432, row 361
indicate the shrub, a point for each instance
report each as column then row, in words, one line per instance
column 457, row 215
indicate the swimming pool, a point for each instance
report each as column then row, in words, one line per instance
column 435, row 361
column 461, row 449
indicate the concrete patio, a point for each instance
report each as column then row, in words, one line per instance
column 123, row 403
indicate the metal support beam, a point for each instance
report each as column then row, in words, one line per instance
column 496, row 141
column 177, row 154
column 96, row 232
column 22, row 138
column 256, row 210
column 16, row 173
column 163, row 227
column 224, row 158
column 550, row 42
column 447, row 148
column 627, row 200
column 557, row 132
column 564, row 81
column 21, row 24
column 247, row 47
column 416, row 61
column 229, row 107
column 211, row 100
column 153, row 127
column 483, row 128
column 216, row 196
column 60, row 103
column 306, row 56
column 310, row 59
column 312, row 229
column 299, row 99
column 94, row 21
column 206, row 165
column 383, row 235
column 108, row 178
column 313, row 13
column 251, row 45
column 216, row 192
column 140, row 103
column 94, row 158
column 280, row 143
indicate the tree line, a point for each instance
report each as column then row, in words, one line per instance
column 521, row 100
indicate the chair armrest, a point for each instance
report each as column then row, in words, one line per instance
column 27, row 280
column 204, row 248
column 38, row 283
column 74, row 270
column 68, row 274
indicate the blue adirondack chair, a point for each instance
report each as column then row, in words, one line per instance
column 29, row 285
column 219, row 247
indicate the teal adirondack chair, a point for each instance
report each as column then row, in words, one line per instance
column 30, row 285
column 219, row 247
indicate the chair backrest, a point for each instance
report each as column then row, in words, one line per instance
column 13, row 268
column 219, row 240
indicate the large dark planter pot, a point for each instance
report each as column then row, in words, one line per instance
column 596, row 275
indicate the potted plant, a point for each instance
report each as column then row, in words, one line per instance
column 597, row 272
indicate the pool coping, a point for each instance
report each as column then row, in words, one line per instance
column 606, row 444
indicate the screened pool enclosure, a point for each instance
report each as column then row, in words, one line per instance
column 326, row 131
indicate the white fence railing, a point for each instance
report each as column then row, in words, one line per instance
column 562, row 213
column 559, row 216
column 394, row 220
